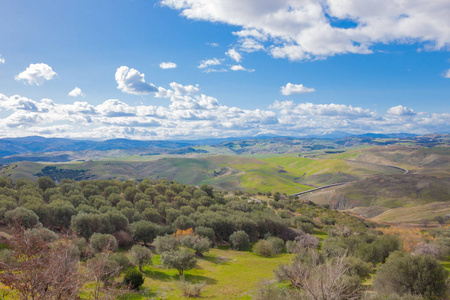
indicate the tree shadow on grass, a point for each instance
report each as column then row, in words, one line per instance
column 158, row 275
column 199, row 278
column 218, row 260
column 162, row 276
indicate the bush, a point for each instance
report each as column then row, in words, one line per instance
column 140, row 256
column 306, row 227
column 302, row 242
column 277, row 244
column 22, row 217
column 41, row 234
column 189, row 289
column 121, row 260
column 180, row 260
column 166, row 243
column 264, row 248
column 133, row 278
column 124, row 239
column 427, row 249
column 206, row 232
column 239, row 240
column 197, row 243
column 100, row 242
column 404, row 273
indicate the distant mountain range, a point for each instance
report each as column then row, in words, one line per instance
column 37, row 144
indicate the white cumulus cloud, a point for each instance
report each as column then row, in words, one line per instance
column 37, row 74
column 131, row 81
column 168, row 65
column 307, row 29
column 233, row 54
column 400, row 110
column 76, row 92
column 291, row 88
column 209, row 62
column 240, row 68
column 2, row 60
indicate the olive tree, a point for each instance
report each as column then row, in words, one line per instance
column 180, row 260
column 141, row 256
column 405, row 273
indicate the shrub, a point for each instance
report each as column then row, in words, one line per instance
column 404, row 273
column 100, row 242
column 301, row 242
column 277, row 244
column 140, row 256
column 189, row 289
column 239, row 240
column 124, row 239
column 133, row 278
column 306, row 227
column 180, row 260
column 264, row 248
column 427, row 249
column 197, row 243
column 22, row 217
column 166, row 243
column 41, row 234
column 122, row 260
column 206, row 232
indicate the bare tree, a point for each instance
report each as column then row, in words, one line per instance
column 36, row 268
column 102, row 270
column 320, row 279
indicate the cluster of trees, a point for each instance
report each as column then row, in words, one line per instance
column 135, row 212
column 182, row 222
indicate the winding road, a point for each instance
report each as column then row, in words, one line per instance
column 406, row 171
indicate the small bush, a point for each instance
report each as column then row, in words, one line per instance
column 190, row 289
column 277, row 244
column 100, row 242
column 264, row 248
column 206, row 232
column 121, row 260
column 404, row 273
column 302, row 242
column 124, row 239
column 197, row 243
column 239, row 240
column 22, row 216
column 306, row 227
column 133, row 278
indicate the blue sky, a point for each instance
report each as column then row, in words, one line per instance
column 355, row 66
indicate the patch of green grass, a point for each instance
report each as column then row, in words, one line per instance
column 228, row 274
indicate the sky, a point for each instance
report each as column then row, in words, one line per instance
column 191, row 69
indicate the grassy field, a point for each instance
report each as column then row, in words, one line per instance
column 228, row 274
column 415, row 214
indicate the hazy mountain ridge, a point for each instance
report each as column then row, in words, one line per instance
column 37, row 148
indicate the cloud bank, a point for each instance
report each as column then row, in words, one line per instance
column 310, row 29
column 191, row 114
